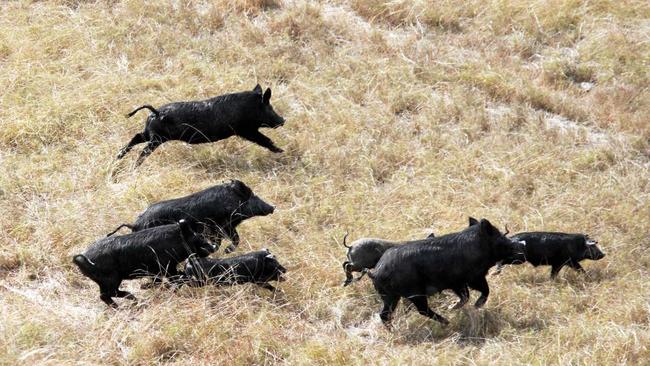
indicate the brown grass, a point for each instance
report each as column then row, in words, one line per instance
column 403, row 116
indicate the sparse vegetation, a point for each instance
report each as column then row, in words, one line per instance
column 402, row 117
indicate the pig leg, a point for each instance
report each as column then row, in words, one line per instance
column 386, row 313
column 463, row 294
column 151, row 146
column 555, row 270
column 363, row 271
column 258, row 138
column 175, row 277
column 348, row 273
column 109, row 289
column 217, row 243
column 480, row 284
column 137, row 139
column 577, row 267
column 105, row 296
column 126, row 295
column 234, row 240
column 422, row 305
column 215, row 233
column 216, row 237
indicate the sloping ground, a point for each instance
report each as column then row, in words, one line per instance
column 402, row 117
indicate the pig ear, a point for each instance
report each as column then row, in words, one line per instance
column 257, row 89
column 472, row 221
column 241, row 187
column 267, row 96
column 487, row 228
column 268, row 255
column 244, row 190
column 236, row 183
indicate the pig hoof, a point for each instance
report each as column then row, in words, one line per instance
column 480, row 303
column 230, row 249
column 277, row 150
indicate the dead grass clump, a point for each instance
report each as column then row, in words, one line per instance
column 622, row 59
column 445, row 15
column 9, row 262
column 565, row 71
column 5, row 48
column 302, row 23
column 556, row 23
column 476, row 324
column 253, row 6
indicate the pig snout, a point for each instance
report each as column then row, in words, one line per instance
column 257, row 207
column 597, row 254
column 276, row 120
column 593, row 251
column 277, row 270
column 518, row 251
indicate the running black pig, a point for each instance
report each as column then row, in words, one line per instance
column 557, row 250
column 197, row 122
column 218, row 210
column 151, row 252
column 258, row 267
column 364, row 253
column 454, row 261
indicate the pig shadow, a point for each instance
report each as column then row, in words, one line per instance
column 248, row 290
column 214, row 159
column 540, row 277
column 591, row 276
column 261, row 162
column 468, row 326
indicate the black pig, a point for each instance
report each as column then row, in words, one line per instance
column 151, row 252
column 210, row 120
column 257, row 267
column 421, row 268
column 218, row 209
column 558, row 250
column 364, row 253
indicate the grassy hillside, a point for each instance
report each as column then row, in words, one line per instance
column 403, row 117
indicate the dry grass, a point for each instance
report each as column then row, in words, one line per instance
column 402, row 116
